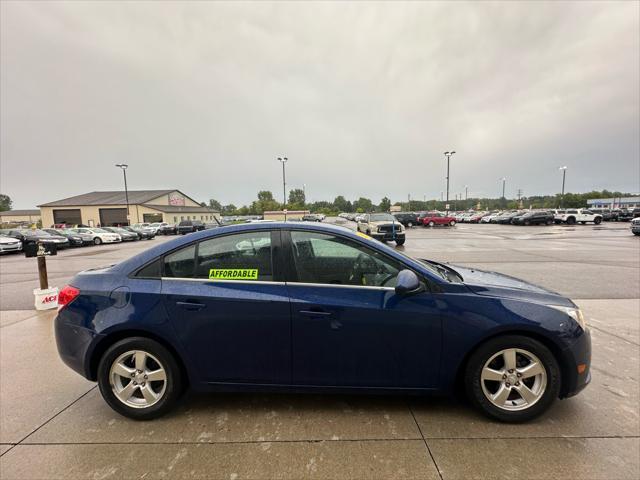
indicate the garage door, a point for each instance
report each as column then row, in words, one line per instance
column 113, row 216
column 68, row 217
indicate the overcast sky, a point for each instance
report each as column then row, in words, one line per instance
column 362, row 97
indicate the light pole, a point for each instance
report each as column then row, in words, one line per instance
column 124, row 167
column 466, row 192
column 448, row 155
column 304, row 192
column 564, row 176
column 504, row 181
column 283, row 160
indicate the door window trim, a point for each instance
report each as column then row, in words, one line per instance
column 276, row 259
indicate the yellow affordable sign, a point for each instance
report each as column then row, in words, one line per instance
column 233, row 273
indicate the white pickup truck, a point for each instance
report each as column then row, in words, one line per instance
column 578, row 215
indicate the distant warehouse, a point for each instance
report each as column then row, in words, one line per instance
column 110, row 208
column 20, row 216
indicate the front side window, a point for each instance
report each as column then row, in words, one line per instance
column 243, row 256
column 334, row 260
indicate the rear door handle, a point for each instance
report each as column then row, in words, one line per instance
column 191, row 305
column 315, row 313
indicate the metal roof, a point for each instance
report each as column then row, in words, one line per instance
column 16, row 213
column 136, row 197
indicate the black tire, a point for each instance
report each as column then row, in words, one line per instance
column 97, row 241
column 571, row 221
column 476, row 362
column 174, row 381
column 399, row 242
column 549, row 222
column 410, row 224
column 597, row 220
column 452, row 223
column 432, row 223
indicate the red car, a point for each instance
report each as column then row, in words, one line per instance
column 432, row 219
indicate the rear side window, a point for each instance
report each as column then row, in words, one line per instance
column 244, row 256
column 152, row 270
column 180, row 264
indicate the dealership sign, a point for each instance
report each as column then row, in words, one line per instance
column 176, row 199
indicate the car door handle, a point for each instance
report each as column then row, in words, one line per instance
column 191, row 305
column 315, row 313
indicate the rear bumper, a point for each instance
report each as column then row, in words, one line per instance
column 75, row 345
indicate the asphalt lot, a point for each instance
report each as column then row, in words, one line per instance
column 54, row 424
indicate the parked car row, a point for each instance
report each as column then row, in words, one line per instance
column 14, row 240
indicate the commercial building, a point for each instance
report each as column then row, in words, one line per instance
column 616, row 202
column 279, row 215
column 20, row 216
column 110, row 208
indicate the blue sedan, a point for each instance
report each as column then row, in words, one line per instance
column 314, row 307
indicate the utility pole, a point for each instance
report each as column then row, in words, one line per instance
column 448, row 155
column 466, row 192
column 283, row 160
column 124, row 167
column 564, row 176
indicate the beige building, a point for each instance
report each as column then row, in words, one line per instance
column 20, row 216
column 110, row 208
column 279, row 216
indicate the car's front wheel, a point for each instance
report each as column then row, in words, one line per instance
column 400, row 242
column 512, row 378
column 139, row 378
column 452, row 223
column 97, row 241
column 432, row 223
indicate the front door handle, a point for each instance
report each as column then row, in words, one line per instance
column 315, row 313
column 194, row 306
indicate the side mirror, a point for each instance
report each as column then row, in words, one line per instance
column 407, row 282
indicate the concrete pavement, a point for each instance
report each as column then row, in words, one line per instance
column 54, row 424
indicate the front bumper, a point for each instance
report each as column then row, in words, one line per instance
column 579, row 353
column 388, row 236
column 10, row 248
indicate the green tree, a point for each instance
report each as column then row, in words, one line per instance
column 264, row 203
column 385, row 205
column 297, row 198
column 228, row 209
column 363, row 204
column 215, row 205
column 265, row 195
column 342, row 204
column 5, row 202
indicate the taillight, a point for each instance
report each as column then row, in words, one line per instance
column 67, row 295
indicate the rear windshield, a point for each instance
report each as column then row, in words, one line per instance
column 185, row 223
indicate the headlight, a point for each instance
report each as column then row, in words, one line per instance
column 574, row 313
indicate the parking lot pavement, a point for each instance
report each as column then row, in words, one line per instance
column 54, row 424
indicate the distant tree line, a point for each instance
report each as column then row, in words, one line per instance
column 297, row 201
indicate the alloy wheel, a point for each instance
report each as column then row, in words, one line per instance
column 513, row 379
column 138, row 379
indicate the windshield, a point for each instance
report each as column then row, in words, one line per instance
column 382, row 217
column 100, row 230
column 40, row 233
column 443, row 271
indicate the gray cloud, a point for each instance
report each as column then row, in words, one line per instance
column 362, row 97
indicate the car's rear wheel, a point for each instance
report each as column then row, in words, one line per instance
column 512, row 378
column 409, row 224
column 571, row 220
column 452, row 223
column 597, row 220
column 139, row 378
column 432, row 223
column 97, row 241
